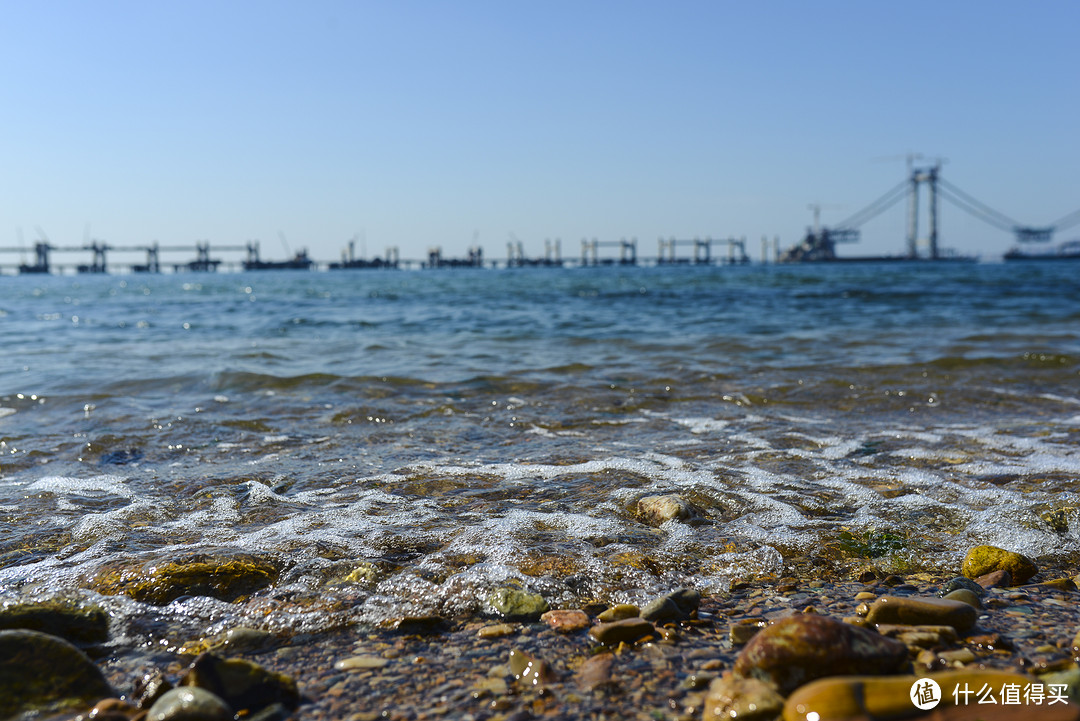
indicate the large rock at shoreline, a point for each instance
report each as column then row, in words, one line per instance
column 914, row 611
column 39, row 672
column 805, row 647
column 982, row 560
column 889, row 697
column 78, row 623
column 227, row 578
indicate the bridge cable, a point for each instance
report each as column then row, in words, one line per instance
column 1066, row 221
column 978, row 208
column 875, row 208
column 979, row 212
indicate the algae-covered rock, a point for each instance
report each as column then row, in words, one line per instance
column 805, row 647
column 244, row 685
column 678, row 605
column 982, row 560
column 227, row 578
column 190, row 704
column 68, row 619
column 749, row 699
column 913, row 611
column 513, row 604
column 44, row 673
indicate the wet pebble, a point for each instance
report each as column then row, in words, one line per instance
column 804, row 647
column 922, row 611
column 628, row 630
column 566, row 621
column 190, row 704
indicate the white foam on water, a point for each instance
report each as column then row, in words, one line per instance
column 702, row 425
column 5, row 412
column 95, row 485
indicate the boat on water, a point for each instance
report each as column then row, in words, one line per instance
column 300, row 261
column 819, row 246
column 1069, row 250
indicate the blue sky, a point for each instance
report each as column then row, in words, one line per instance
column 414, row 124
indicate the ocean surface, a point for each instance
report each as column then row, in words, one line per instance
column 403, row 442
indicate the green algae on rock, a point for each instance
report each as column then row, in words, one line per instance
column 806, row 646
column 982, row 560
column 513, row 604
column 43, row 673
column 68, row 619
column 229, row 578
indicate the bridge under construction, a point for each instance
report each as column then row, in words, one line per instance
column 820, row 241
column 819, row 245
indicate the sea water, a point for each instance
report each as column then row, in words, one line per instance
column 404, row 442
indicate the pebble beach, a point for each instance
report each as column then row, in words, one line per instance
column 655, row 493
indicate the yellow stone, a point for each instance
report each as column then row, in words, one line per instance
column 884, row 697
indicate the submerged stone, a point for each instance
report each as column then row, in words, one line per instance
column 528, row 669
column 45, row 674
column 513, row 604
column 982, row 560
column 657, row 510
column 805, row 647
column 78, row 623
column 228, row 578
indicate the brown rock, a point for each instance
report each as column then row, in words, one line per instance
column 566, row 621
column 915, row 611
column 596, row 672
column 802, row 648
column 995, row 579
column 628, row 630
column 656, row 510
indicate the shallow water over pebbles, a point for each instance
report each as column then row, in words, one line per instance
column 398, row 443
